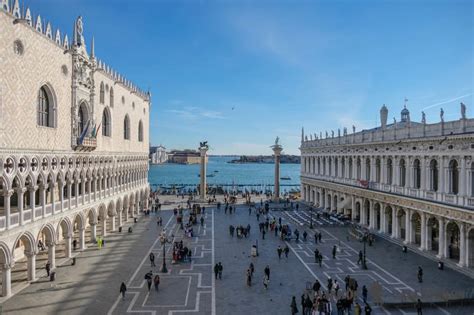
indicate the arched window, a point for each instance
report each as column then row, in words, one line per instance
column 140, row 131
column 453, row 177
column 343, row 167
column 106, row 127
column 336, row 168
column 403, row 171
column 126, row 128
column 358, row 170
column 102, row 93
column 377, row 170
column 367, row 169
column 416, row 174
column 111, row 97
column 45, row 108
column 434, row 175
column 83, row 118
column 350, row 168
column 389, row 172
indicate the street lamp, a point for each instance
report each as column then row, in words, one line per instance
column 311, row 218
column 164, row 239
column 364, row 262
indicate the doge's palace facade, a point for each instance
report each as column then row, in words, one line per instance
column 73, row 145
column 413, row 182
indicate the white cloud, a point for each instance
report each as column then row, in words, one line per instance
column 192, row 113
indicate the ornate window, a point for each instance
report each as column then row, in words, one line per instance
column 45, row 108
column 102, row 93
column 377, row 170
column 106, row 127
column 111, row 95
column 83, row 118
column 140, row 131
column 434, row 175
column 389, row 172
column 403, row 171
column 126, row 128
column 416, row 174
column 453, row 177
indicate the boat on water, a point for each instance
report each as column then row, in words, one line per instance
column 285, row 178
column 209, row 175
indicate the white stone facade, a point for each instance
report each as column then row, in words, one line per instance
column 411, row 181
column 74, row 140
column 159, row 156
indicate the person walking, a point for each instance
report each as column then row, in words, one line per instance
column 359, row 261
column 368, row 309
column 202, row 221
column 267, row 272
column 316, row 237
column 216, row 270
column 265, row 282
column 334, row 250
column 48, row 268
column 320, row 258
column 152, row 259
column 316, row 255
column 335, row 286
column 279, row 251
column 364, row 293
column 303, row 304
column 220, row 270
column 279, row 221
column 293, row 307
column 357, row 309
column 148, row 278
column 316, row 287
column 286, row 250
column 419, row 306
column 249, row 278
column 320, row 236
column 420, row 274
column 123, row 289
column 74, row 244
column 252, row 268
column 263, row 234
column 305, row 235
column 156, row 281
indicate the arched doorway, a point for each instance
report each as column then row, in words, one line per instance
column 63, row 237
column 357, row 212
column 470, row 248
column 366, row 213
column 24, row 258
column 102, row 221
column 452, row 241
column 377, row 216
column 334, row 203
column 432, row 234
column 388, row 220
column 5, row 262
column 78, row 233
column 401, row 219
column 416, row 228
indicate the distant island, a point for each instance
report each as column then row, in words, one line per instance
column 267, row 159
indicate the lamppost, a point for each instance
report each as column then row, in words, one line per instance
column 311, row 218
column 164, row 239
column 364, row 263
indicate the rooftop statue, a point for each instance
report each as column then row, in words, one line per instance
column 203, row 145
column 423, row 118
column 463, row 111
column 276, row 141
column 441, row 115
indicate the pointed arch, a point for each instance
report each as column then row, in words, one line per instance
column 126, row 128
column 106, row 123
column 140, row 131
column 102, row 93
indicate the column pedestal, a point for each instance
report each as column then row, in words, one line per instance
column 277, row 151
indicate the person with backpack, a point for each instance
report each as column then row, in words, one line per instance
column 123, row 289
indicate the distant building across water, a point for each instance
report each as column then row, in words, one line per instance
column 184, row 157
column 158, row 155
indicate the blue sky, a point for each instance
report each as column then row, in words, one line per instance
column 240, row 73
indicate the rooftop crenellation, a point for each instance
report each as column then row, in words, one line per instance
column 22, row 14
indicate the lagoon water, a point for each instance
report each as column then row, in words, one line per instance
column 227, row 173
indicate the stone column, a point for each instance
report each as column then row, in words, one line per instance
column 113, row 223
column 6, row 201
column 69, row 193
column 203, row 184
column 31, row 265
column 104, row 227
column 94, row 232
column 78, row 182
column 52, row 187
column 67, row 241
column 462, row 178
column 441, row 174
column 83, row 184
column 383, row 219
column 52, row 254
column 61, row 195
column 462, row 245
column 407, row 226
column 20, row 193
column 7, row 279
column 42, row 189
column 353, row 204
column 394, row 223
column 442, row 238
column 32, row 191
column 277, row 151
column 89, row 187
column 82, row 239
column 423, row 245
column 120, row 217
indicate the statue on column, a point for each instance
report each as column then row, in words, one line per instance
column 345, row 131
column 441, row 115
column 339, row 132
column 463, row 111
column 353, row 129
column 423, row 118
column 78, row 32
